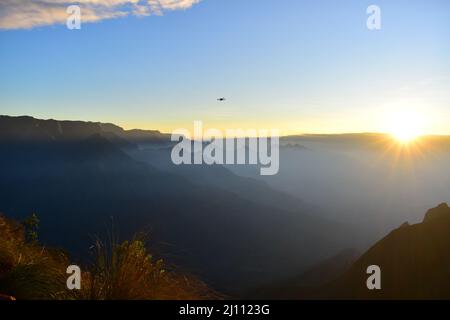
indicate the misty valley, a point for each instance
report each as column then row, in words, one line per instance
column 334, row 208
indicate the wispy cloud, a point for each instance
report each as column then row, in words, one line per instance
column 26, row 14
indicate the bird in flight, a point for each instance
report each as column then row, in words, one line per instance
column 221, row 99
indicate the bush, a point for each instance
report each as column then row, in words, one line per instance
column 27, row 270
column 127, row 271
column 122, row 271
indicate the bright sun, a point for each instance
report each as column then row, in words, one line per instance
column 405, row 126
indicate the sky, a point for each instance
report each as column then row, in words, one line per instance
column 298, row 66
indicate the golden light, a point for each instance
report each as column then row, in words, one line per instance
column 405, row 126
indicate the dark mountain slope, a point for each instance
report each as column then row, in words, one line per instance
column 414, row 262
column 310, row 280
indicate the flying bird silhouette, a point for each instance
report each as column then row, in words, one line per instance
column 221, row 99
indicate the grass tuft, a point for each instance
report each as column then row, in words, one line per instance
column 124, row 271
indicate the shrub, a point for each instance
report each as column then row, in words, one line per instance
column 123, row 271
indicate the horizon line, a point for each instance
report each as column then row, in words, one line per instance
column 167, row 133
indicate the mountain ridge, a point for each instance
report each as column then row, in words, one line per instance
column 77, row 185
column 413, row 260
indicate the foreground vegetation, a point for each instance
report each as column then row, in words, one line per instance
column 119, row 271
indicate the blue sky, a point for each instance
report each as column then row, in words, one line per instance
column 301, row 66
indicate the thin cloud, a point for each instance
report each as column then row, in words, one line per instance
column 27, row 14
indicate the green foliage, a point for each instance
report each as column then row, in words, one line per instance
column 28, row 271
column 31, row 225
column 127, row 271
column 120, row 271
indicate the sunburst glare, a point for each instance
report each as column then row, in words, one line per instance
column 405, row 126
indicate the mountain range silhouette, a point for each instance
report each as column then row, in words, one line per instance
column 83, row 179
column 237, row 233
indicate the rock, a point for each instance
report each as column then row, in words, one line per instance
column 437, row 213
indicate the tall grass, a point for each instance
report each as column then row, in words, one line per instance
column 27, row 270
column 127, row 271
column 124, row 271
